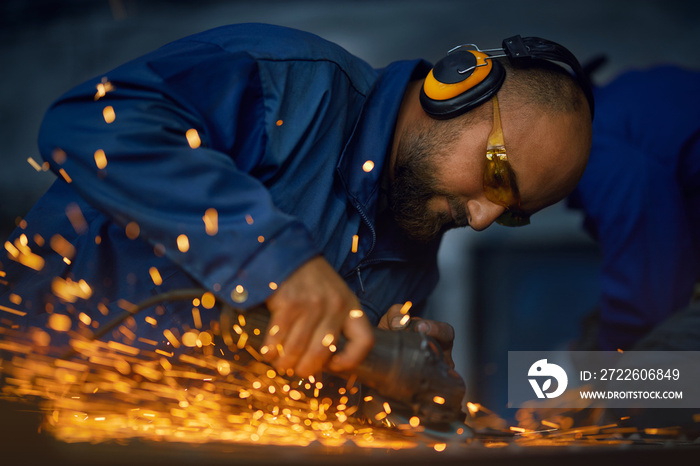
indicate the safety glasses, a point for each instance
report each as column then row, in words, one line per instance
column 499, row 178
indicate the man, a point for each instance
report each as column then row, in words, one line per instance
column 640, row 198
column 269, row 166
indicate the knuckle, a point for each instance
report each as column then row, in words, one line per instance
column 315, row 300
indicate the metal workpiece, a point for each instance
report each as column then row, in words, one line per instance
column 407, row 366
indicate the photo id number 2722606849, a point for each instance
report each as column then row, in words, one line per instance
column 631, row 374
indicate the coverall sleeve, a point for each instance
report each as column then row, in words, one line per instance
column 634, row 200
column 164, row 184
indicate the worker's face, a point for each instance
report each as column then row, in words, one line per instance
column 438, row 176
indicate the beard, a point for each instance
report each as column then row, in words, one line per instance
column 415, row 184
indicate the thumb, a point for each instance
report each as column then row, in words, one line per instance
column 391, row 320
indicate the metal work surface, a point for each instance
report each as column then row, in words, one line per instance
column 22, row 444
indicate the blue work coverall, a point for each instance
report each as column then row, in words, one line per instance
column 287, row 122
column 641, row 197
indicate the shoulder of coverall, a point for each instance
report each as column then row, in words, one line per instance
column 278, row 43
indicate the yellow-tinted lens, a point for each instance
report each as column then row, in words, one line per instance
column 499, row 180
column 513, row 219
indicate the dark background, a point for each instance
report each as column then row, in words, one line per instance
column 501, row 289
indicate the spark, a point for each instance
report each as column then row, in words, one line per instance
column 183, row 243
column 404, row 320
column 355, row 241
column 211, row 221
column 108, row 114
column 171, row 338
column 155, row 276
column 279, row 123
column 368, row 166
column 100, row 159
column 356, row 313
column 59, row 156
column 208, row 300
column 62, row 246
column 103, row 88
column 120, row 347
column 273, row 285
column 438, row 400
column 104, row 310
column 249, row 219
column 189, row 339
column 406, row 307
column 239, row 294
column 34, row 164
column 147, row 341
column 132, row 230
column 193, row 138
column 39, row 240
column 328, row 339
column 196, row 318
column 550, row 424
column 69, row 290
column 59, row 322
column 65, row 176
column 76, row 218
column 12, row 311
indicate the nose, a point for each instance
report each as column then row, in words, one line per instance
column 482, row 213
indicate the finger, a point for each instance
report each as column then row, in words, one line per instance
column 447, row 357
column 443, row 332
column 317, row 352
column 393, row 312
column 360, row 339
column 293, row 346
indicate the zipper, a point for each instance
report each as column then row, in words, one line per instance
column 359, row 277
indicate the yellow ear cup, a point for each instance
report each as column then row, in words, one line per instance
column 437, row 90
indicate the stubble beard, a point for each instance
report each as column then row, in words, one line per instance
column 415, row 184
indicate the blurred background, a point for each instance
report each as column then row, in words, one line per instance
column 501, row 289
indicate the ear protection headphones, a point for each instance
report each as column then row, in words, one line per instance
column 465, row 79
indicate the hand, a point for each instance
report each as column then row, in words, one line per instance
column 442, row 332
column 311, row 304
